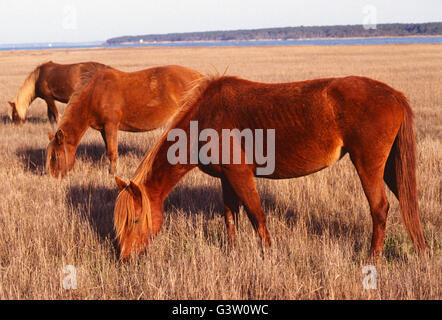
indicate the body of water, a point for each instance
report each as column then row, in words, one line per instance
column 318, row 42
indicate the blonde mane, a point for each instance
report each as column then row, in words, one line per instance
column 26, row 93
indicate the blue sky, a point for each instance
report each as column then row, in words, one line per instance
column 25, row 21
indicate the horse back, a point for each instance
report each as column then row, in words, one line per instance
column 59, row 81
column 316, row 122
column 141, row 100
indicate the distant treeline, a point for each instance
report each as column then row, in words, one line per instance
column 348, row 31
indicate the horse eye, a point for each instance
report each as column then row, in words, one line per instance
column 136, row 220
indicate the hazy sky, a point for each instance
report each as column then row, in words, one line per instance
column 97, row 20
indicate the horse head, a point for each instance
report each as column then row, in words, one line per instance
column 59, row 158
column 14, row 115
column 132, row 219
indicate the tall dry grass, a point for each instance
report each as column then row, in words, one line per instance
column 320, row 224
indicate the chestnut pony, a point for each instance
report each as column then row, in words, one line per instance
column 113, row 100
column 316, row 122
column 49, row 81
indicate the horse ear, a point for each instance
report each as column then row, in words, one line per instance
column 50, row 136
column 60, row 136
column 11, row 103
column 121, row 184
column 135, row 191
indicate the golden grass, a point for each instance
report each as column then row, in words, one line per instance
column 320, row 224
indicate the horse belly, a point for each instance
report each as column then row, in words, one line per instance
column 309, row 160
column 134, row 126
column 146, row 120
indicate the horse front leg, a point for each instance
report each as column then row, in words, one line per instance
column 242, row 180
column 110, row 137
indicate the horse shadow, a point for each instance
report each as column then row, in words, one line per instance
column 34, row 159
column 96, row 151
column 195, row 200
column 96, row 205
column 207, row 201
column 34, row 120
column 6, row 120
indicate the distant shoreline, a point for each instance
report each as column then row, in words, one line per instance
column 434, row 39
column 289, row 33
column 264, row 40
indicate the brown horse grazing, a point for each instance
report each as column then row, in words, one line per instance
column 49, row 81
column 113, row 100
column 315, row 123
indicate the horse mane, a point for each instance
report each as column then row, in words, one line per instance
column 195, row 91
column 26, row 93
column 124, row 212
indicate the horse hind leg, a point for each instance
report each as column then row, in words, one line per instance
column 371, row 173
column 52, row 111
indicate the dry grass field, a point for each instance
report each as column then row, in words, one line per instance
column 320, row 224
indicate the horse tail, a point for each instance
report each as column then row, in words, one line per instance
column 400, row 176
column 26, row 94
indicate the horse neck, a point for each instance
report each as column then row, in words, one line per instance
column 163, row 177
column 156, row 174
column 74, row 123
